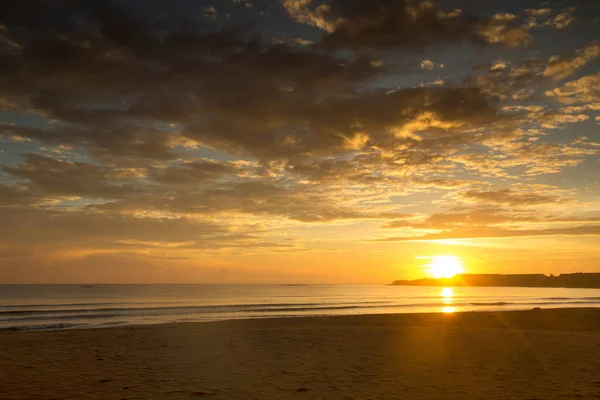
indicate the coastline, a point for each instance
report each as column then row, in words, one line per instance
column 410, row 317
column 66, row 307
column 578, row 280
column 442, row 308
column 549, row 353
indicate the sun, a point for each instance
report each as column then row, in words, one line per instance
column 445, row 266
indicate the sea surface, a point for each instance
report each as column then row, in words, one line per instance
column 44, row 307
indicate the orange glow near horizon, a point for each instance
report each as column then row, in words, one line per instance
column 445, row 266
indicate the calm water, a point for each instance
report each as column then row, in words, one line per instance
column 74, row 306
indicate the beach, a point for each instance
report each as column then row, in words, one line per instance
column 535, row 354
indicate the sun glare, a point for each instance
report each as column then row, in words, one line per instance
column 445, row 266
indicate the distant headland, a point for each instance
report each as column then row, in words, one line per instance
column 576, row 280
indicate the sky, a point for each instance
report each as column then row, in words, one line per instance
column 297, row 141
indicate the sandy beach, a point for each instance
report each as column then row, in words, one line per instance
column 537, row 354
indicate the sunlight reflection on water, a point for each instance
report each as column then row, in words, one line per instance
column 447, row 294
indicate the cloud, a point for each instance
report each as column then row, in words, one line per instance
column 499, row 65
column 51, row 228
column 245, row 3
column 210, row 12
column 547, row 18
column 65, row 178
column 499, row 30
column 231, row 92
column 582, row 90
column 337, row 125
column 301, row 203
column 481, row 219
column 404, row 24
column 522, row 81
column 580, row 109
column 106, row 83
column 191, row 173
column 487, row 232
column 510, row 197
column 539, row 12
column 428, row 64
column 16, row 195
column 300, row 11
column 508, row 81
column 482, row 216
column 58, row 234
column 201, row 188
column 560, row 68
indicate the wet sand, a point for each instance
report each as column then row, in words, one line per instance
column 526, row 355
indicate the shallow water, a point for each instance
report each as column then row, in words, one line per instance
column 40, row 307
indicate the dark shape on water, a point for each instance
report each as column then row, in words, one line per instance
column 202, row 393
column 88, row 286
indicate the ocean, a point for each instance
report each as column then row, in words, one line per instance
column 46, row 307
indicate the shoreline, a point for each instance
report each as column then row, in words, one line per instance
column 279, row 318
column 549, row 354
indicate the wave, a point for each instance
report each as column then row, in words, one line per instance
column 257, row 309
column 571, row 298
column 41, row 327
column 187, row 308
column 88, row 304
column 90, row 314
column 532, row 303
column 28, row 315
column 161, row 312
column 60, row 307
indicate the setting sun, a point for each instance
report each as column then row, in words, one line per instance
column 445, row 266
